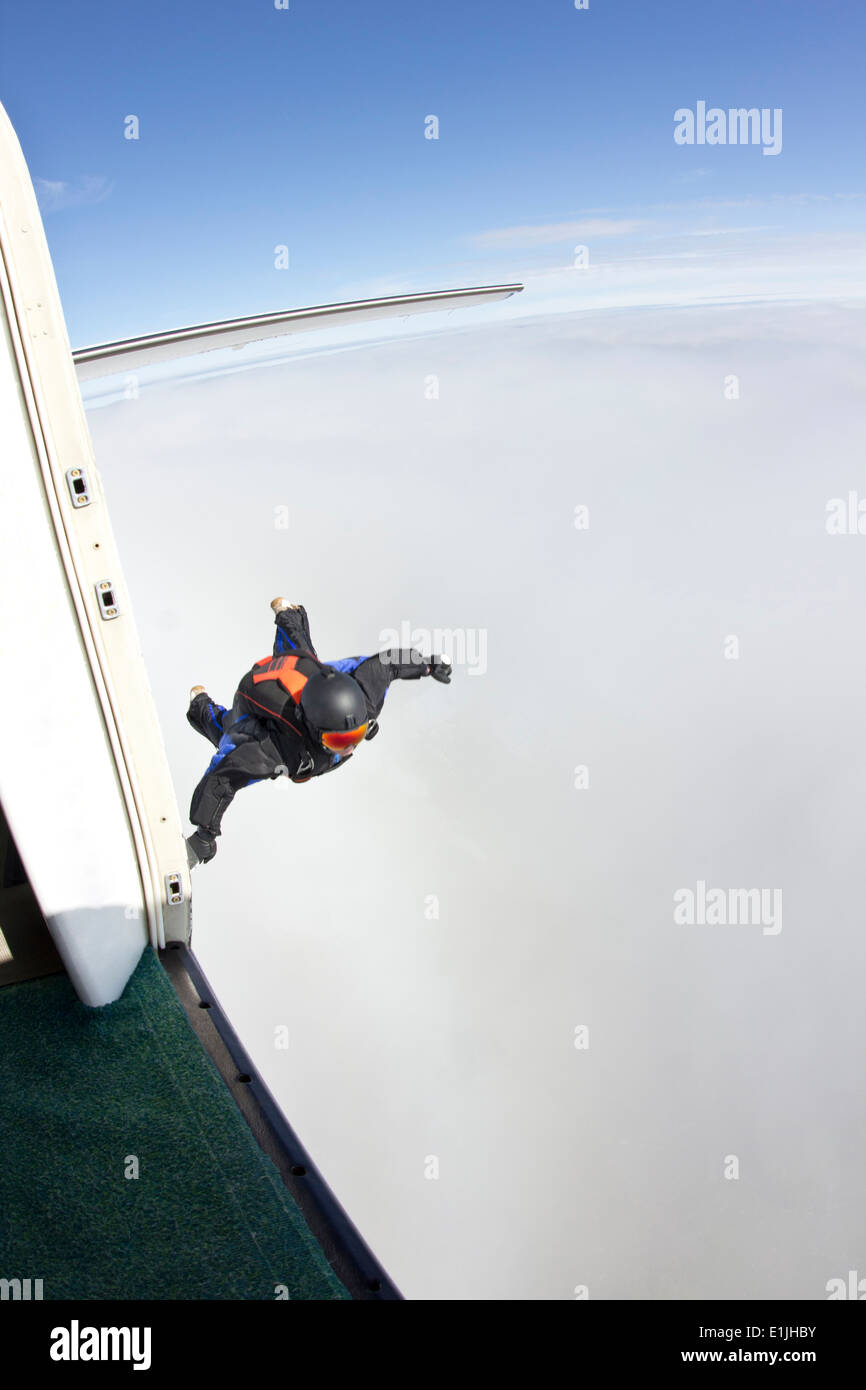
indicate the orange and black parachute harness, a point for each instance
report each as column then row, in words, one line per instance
column 284, row 669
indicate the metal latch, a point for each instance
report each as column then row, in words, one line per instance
column 173, row 889
column 79, row 489
column 107, row 602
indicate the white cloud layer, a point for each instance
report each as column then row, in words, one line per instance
column 412, row 1037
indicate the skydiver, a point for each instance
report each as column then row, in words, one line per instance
column 293, row 715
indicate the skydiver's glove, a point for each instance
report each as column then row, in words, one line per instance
column 200, row 847
column 373, row 730
column 439, row 668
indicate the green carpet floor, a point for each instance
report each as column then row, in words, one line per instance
column 84, row 1090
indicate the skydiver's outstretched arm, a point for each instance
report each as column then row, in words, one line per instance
column 375, row 673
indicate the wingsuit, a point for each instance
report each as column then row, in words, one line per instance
column 292, row 716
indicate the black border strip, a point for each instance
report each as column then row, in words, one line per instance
column 352, row 1259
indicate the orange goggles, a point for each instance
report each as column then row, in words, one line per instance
column 344, row 740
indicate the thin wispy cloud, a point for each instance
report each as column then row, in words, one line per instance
column 685, row 233
column 551, row 233
column 55, row 195
column 727, row 231
column 630, row 210
column 692, row 175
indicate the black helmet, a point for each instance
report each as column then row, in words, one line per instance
column 335, row 710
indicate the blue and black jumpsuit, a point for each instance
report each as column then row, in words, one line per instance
column 264, row 734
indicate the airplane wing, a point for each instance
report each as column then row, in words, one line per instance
column 131, row 354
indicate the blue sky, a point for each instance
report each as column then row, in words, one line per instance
column 305, row 127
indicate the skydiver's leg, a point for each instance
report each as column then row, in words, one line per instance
column 293, row 632
column 207, row 718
